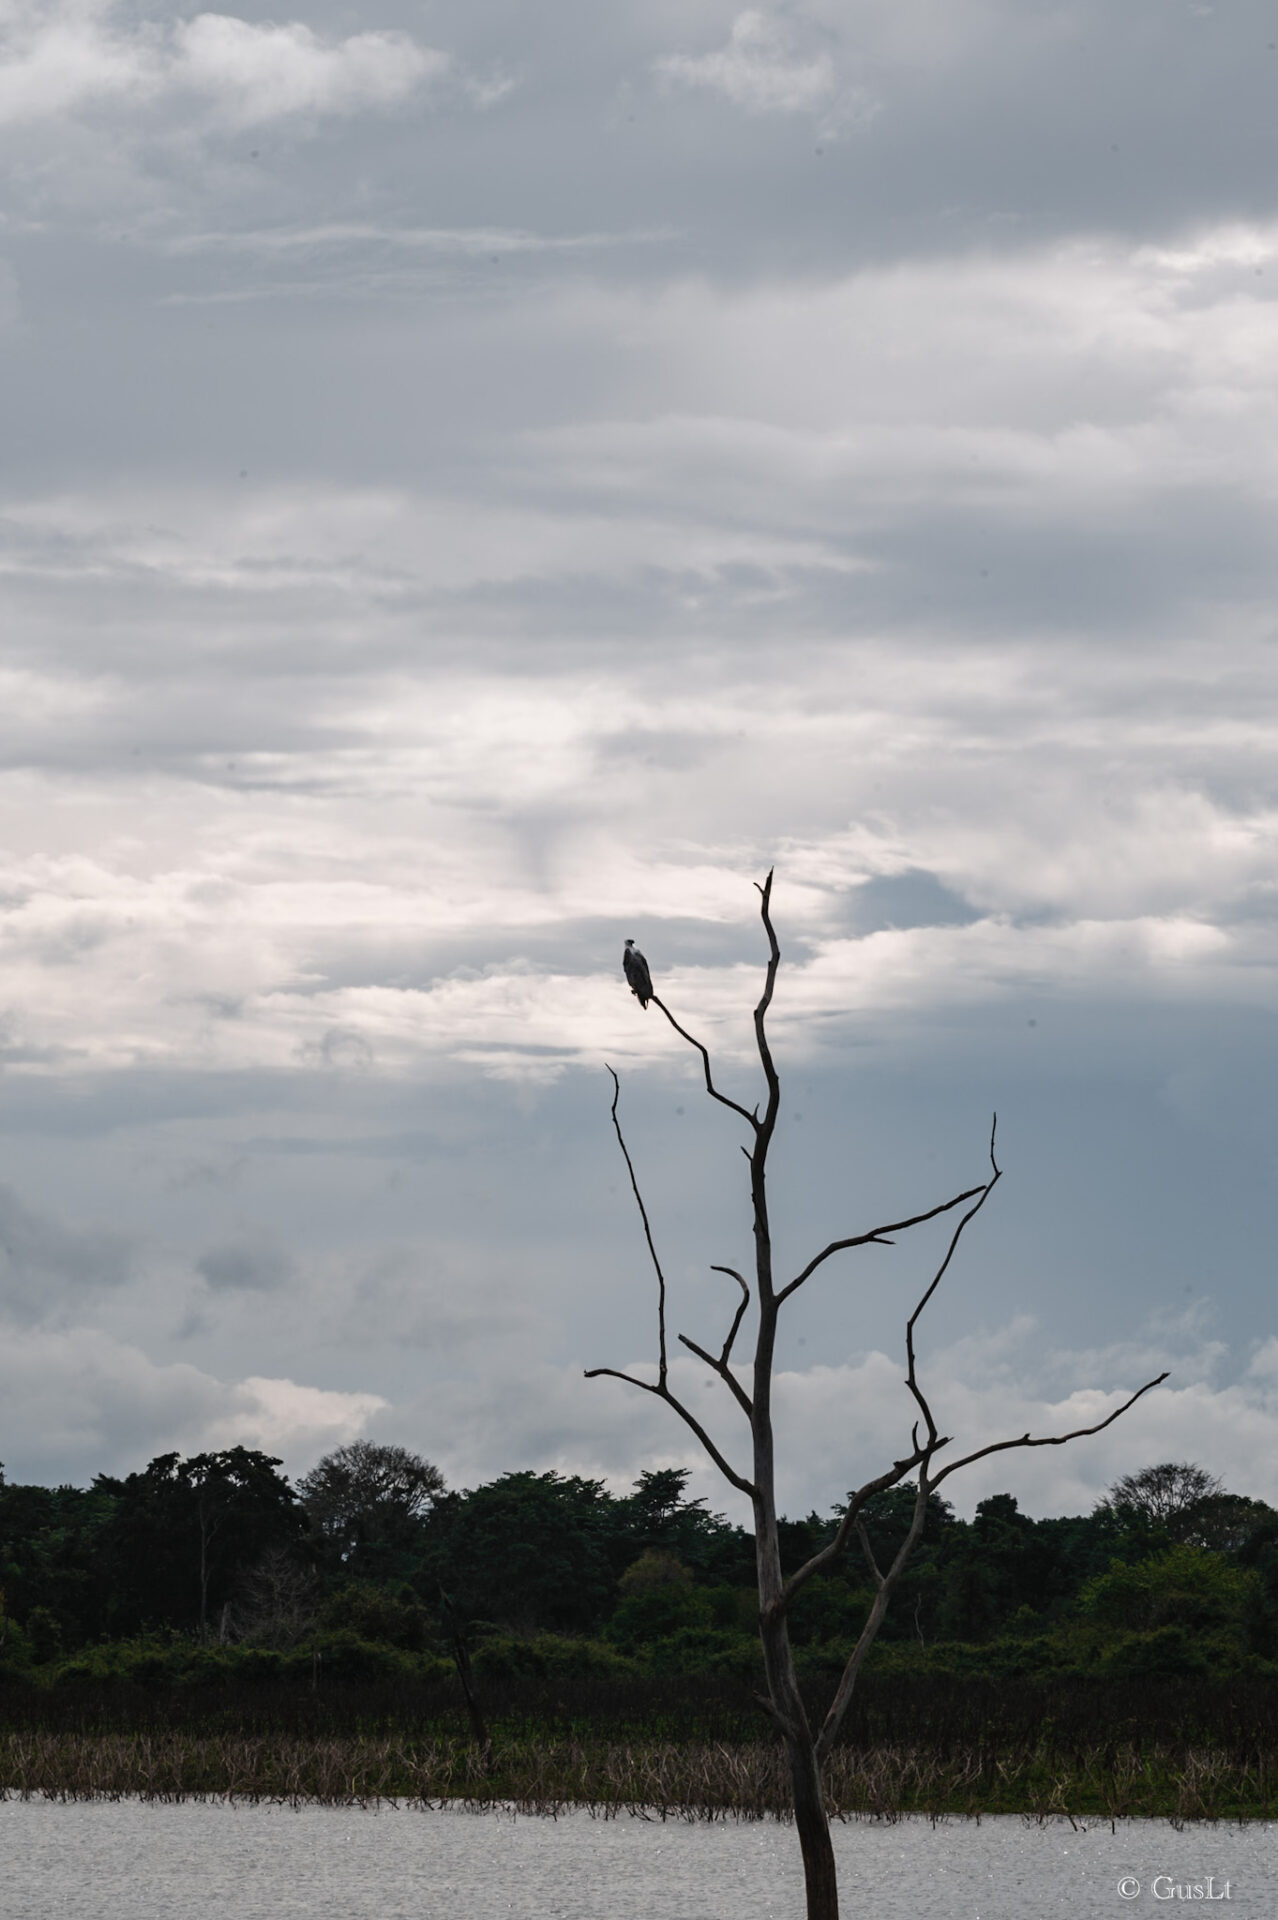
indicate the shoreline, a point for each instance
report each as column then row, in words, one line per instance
column 662, row 1779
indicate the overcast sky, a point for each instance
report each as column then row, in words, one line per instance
column 481, row 481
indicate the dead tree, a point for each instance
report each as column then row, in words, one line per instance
column 808, row 1745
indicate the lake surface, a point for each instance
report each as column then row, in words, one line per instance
column 129, row 1860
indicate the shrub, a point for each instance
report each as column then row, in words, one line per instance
column 1187, row 1587
column 1167, row 1650
column 346, row 1657
column 649, row 1614
column 44, row 1635
column 655, row 1568
column 371, row 1613
column 705, row 1650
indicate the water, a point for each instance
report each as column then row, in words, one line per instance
column 130, row 1860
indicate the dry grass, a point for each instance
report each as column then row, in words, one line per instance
column 688, row 1781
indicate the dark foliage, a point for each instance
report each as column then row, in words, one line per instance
column 366, row 1505
column 208, row 1574
column 180, row 1533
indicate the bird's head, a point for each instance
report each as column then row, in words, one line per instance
column 630, row 943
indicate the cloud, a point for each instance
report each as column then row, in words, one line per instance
column 258, row 73
column 244, row 1266
column 842, row 1421
column 467, row 242
column 48, row 1269
column 757, row 69
column 67, row 58
column 79, row 1401
column 995, row 1385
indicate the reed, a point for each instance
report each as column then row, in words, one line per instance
column 665, row 1780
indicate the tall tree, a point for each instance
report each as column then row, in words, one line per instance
column 807, row 1746
column 1165, row 1495
column 368, row 1502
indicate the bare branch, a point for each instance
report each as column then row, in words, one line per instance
column 721, row 1365
column 876, row 1237
column 647, row 1231
column 927, row 1485
column 869, row 1632
column 724, row 1372
column 631, row 1379
column 663, row 1393
column 726, row 1355
column 1048, row 1440
column 911, row 1377
column 870, row 1561
column 711, row 1088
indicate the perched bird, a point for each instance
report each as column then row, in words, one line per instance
column 636, row 971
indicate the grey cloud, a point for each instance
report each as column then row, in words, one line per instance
column 1033, row 120
column 911, row 899
column 48, row 1269
column 244, row 1266
column 80, row 1402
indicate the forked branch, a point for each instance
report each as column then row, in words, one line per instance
column 852, row 1520
column 765, row 1126
column 722, row 1365
column 663, row 1392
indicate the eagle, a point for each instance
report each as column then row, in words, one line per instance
column 636, row 971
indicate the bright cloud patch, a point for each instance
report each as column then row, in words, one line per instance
column 81, row 1396
column 841, row 1422
column 757, row 69
column 63, row 59
column 260, row 73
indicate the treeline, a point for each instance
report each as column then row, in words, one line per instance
column 370, row 1571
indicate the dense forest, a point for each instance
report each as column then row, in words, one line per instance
column 370, row 1569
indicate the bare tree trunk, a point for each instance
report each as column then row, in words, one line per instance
column 811, row 1820
column 812, row 1823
